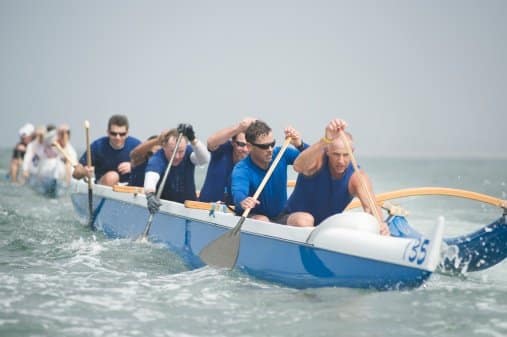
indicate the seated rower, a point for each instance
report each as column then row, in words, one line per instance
column 327, row 182
column 180, row 184
column 249, row 172
column 34, row 153
column 109, row 154
column 227, row 147
column 25, row 137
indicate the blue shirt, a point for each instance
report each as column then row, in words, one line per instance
column 217, row 185
column 321, row 195
column 105, row 158
column 180, row 184
column 247, row 176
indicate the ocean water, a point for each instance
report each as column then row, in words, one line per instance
column 58, row 278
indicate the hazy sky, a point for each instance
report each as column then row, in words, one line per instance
column 410, row 77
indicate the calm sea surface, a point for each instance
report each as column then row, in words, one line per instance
column 58, row 278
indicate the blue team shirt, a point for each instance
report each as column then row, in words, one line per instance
column 105, row 158
column 180, row 184
column 246, row 177
column 320, row 194
column 217, row 185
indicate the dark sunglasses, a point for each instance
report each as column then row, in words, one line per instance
column 265, row 146
column 240, row 144
column 114, row 134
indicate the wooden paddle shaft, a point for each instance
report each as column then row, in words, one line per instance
column 64, row 153
column 168, row 168
column 88, row 150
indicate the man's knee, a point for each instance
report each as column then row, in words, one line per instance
column 260, row 217
column 110, row 178
column 300, row 219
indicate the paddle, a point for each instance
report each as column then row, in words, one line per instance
column 364, row 186
column 223, row 251
column 65, row 154
column 161, row 187
column 70, row 161
column 89, row 164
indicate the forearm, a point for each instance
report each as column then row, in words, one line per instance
column 310, row 160
column 14, row 169
column 220, row 137
column 151, row 179
column 201, row 155
column 363, row 189
column 138, row 154
column 239, row 187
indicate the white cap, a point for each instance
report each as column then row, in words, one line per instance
column 26, row 130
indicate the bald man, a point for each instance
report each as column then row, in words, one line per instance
column 327, row 182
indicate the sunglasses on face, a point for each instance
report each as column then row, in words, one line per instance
column 240, row 144
column 265, row 146
column 115, row 134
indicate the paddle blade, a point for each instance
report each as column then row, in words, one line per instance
column 223, row 252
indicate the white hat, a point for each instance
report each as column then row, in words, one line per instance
column 26, row 130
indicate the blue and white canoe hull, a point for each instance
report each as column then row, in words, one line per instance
column 471, row 252
column 296, row 257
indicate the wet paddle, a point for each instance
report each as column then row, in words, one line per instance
column 223, row 252
column 161, row 187
column 89, row 164
column 362, row 181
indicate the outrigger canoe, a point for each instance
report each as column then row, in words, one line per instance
column 341, row 252
column 471, row 252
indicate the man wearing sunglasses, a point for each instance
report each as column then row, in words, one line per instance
column 227, row 147
column 249, row 172
column 327, row 182
column 110, row 154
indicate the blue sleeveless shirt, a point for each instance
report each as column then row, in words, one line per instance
column 217, row 185
column 180, row 184
column 321, row 195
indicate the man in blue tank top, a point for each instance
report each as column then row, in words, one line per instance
column 180, row 184
column 327, row 182
column 227, row 147
column 110, row 154
column 249, row 172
